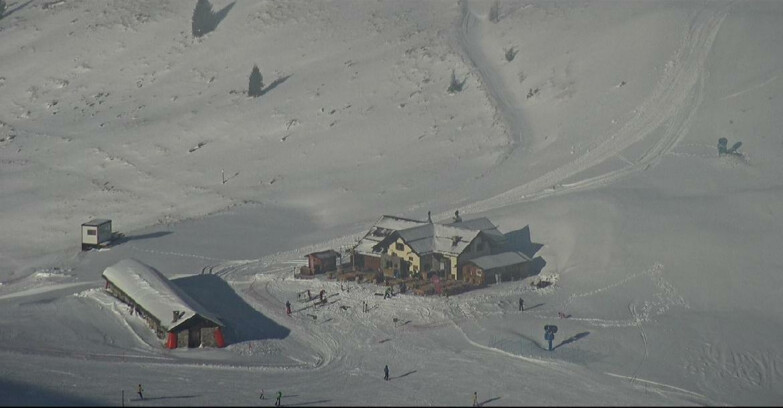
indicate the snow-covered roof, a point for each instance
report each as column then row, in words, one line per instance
column 484, row 225
column 155, row 293
column 385, row 226
column 436, row 238
column 499, row 260
column 329, row 253
column 96, row 222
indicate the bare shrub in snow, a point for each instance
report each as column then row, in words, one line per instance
column 455, row 85
column 256, row 85
column 510, row 54
column 494, row 11
column 2, row 8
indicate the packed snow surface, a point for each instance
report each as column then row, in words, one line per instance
column 586, row 131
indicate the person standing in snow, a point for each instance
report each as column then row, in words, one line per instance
column 475, row 399
column 521, row 304
column 140, row 390
column 262, row 394
column 308, row 295
column 288, row 307
column 386, row 373
column 279, row 396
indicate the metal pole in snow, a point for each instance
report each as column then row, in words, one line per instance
column 123, row 398
column 223, row 176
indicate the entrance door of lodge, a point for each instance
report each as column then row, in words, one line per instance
column 194, row 337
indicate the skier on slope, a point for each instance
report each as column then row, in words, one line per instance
column 386, row 373
column 475, row 399
column 140, row 390
column 288, row 307
column 279, row 396
column 521, row 304
column 262, row 394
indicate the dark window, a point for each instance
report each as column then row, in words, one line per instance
column 399, row 246
column 389, row 264
column 92, row 232
column 427, row 267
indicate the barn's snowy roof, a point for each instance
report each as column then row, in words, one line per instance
column 385, row 226
column 155, row 293
column 499, row 260
column 96, row 222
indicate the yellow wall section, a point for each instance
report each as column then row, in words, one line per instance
column 407, row 254
column 453, row 262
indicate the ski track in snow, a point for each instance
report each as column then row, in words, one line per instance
column 703, row 399
column 672, row 104
column 637, row 318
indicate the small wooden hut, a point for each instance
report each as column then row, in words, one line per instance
column 322, row 262
column 499, row 267
column 96, row 233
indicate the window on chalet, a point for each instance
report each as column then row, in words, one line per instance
column 399, row 246
column 92, row 232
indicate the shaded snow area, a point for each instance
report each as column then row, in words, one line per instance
column 586, row 131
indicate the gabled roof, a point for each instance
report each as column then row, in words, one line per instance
column 329, row 253
column 96, row 222
column 499, row 260
column 484, row 225
column 386, row 225
column 155, row 293
column 434, row 238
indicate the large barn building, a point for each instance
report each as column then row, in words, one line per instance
column 169, row 311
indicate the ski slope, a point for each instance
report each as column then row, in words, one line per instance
column 594, row 147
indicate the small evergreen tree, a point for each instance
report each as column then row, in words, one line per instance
column 256, row 83
column 2, row 8
column 202, row 18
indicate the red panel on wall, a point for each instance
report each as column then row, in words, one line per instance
column 172, row 341
column 219, row 338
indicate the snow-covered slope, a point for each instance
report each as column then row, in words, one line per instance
column 593, row 123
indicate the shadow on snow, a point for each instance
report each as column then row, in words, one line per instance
column 242, row 321
column 14, row 393
column 519, row 241
column 572, row 339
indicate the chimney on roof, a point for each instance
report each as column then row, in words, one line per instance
column 429, row 217
column 176, row 316
column 457, row 218
column 455, row 240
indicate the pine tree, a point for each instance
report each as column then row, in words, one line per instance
column 256, row 83
column 202, row 18
column 2, row 8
